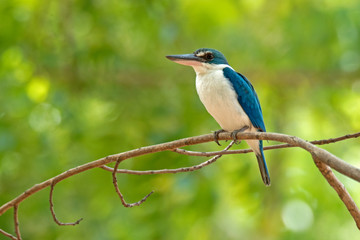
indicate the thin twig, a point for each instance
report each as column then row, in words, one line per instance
column 16, row 222
column 332, row 140
column 340, row 189
column 53, row 211
column 8, row 234
column 176, row 170
column 124, row 203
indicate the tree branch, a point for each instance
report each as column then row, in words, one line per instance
column 326, row 157
column 322, row 156
column 340, row 189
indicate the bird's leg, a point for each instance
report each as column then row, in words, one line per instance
column 234, row 133
column 216, row 136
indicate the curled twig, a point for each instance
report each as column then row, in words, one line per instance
column 53, row 211
column 124, row 203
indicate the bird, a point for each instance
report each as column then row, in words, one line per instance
column 229, row 97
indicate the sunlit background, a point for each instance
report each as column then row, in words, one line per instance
column 80, row 80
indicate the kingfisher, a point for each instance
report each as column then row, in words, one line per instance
column 229, row 97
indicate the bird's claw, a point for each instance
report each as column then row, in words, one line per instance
column 234, row 133
column 216, row 136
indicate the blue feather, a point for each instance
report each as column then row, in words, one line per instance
column 247, row 97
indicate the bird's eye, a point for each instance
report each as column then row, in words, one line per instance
column 209, row 56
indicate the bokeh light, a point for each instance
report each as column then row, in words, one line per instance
column 297, row 215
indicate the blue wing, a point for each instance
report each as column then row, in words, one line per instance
column 247, row 97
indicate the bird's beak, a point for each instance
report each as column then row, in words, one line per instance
column 186, row 59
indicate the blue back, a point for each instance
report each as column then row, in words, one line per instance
column 247, row 97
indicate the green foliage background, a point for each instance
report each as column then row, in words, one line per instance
column 80, row 80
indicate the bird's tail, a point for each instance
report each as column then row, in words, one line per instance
column 262, row 165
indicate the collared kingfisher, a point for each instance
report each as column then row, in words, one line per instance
column 229, row 97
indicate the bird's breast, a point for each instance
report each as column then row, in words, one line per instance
column 220, row 100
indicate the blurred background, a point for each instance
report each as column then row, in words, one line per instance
column 80, row 80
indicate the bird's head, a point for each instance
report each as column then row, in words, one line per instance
column 201, row 60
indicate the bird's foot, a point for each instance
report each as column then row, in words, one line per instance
column 216, row 136
column 234, row 133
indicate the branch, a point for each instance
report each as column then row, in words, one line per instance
column 321, row 156
column 340, row 189
column 325, row 157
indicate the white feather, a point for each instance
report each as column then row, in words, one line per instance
column 220, row 99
